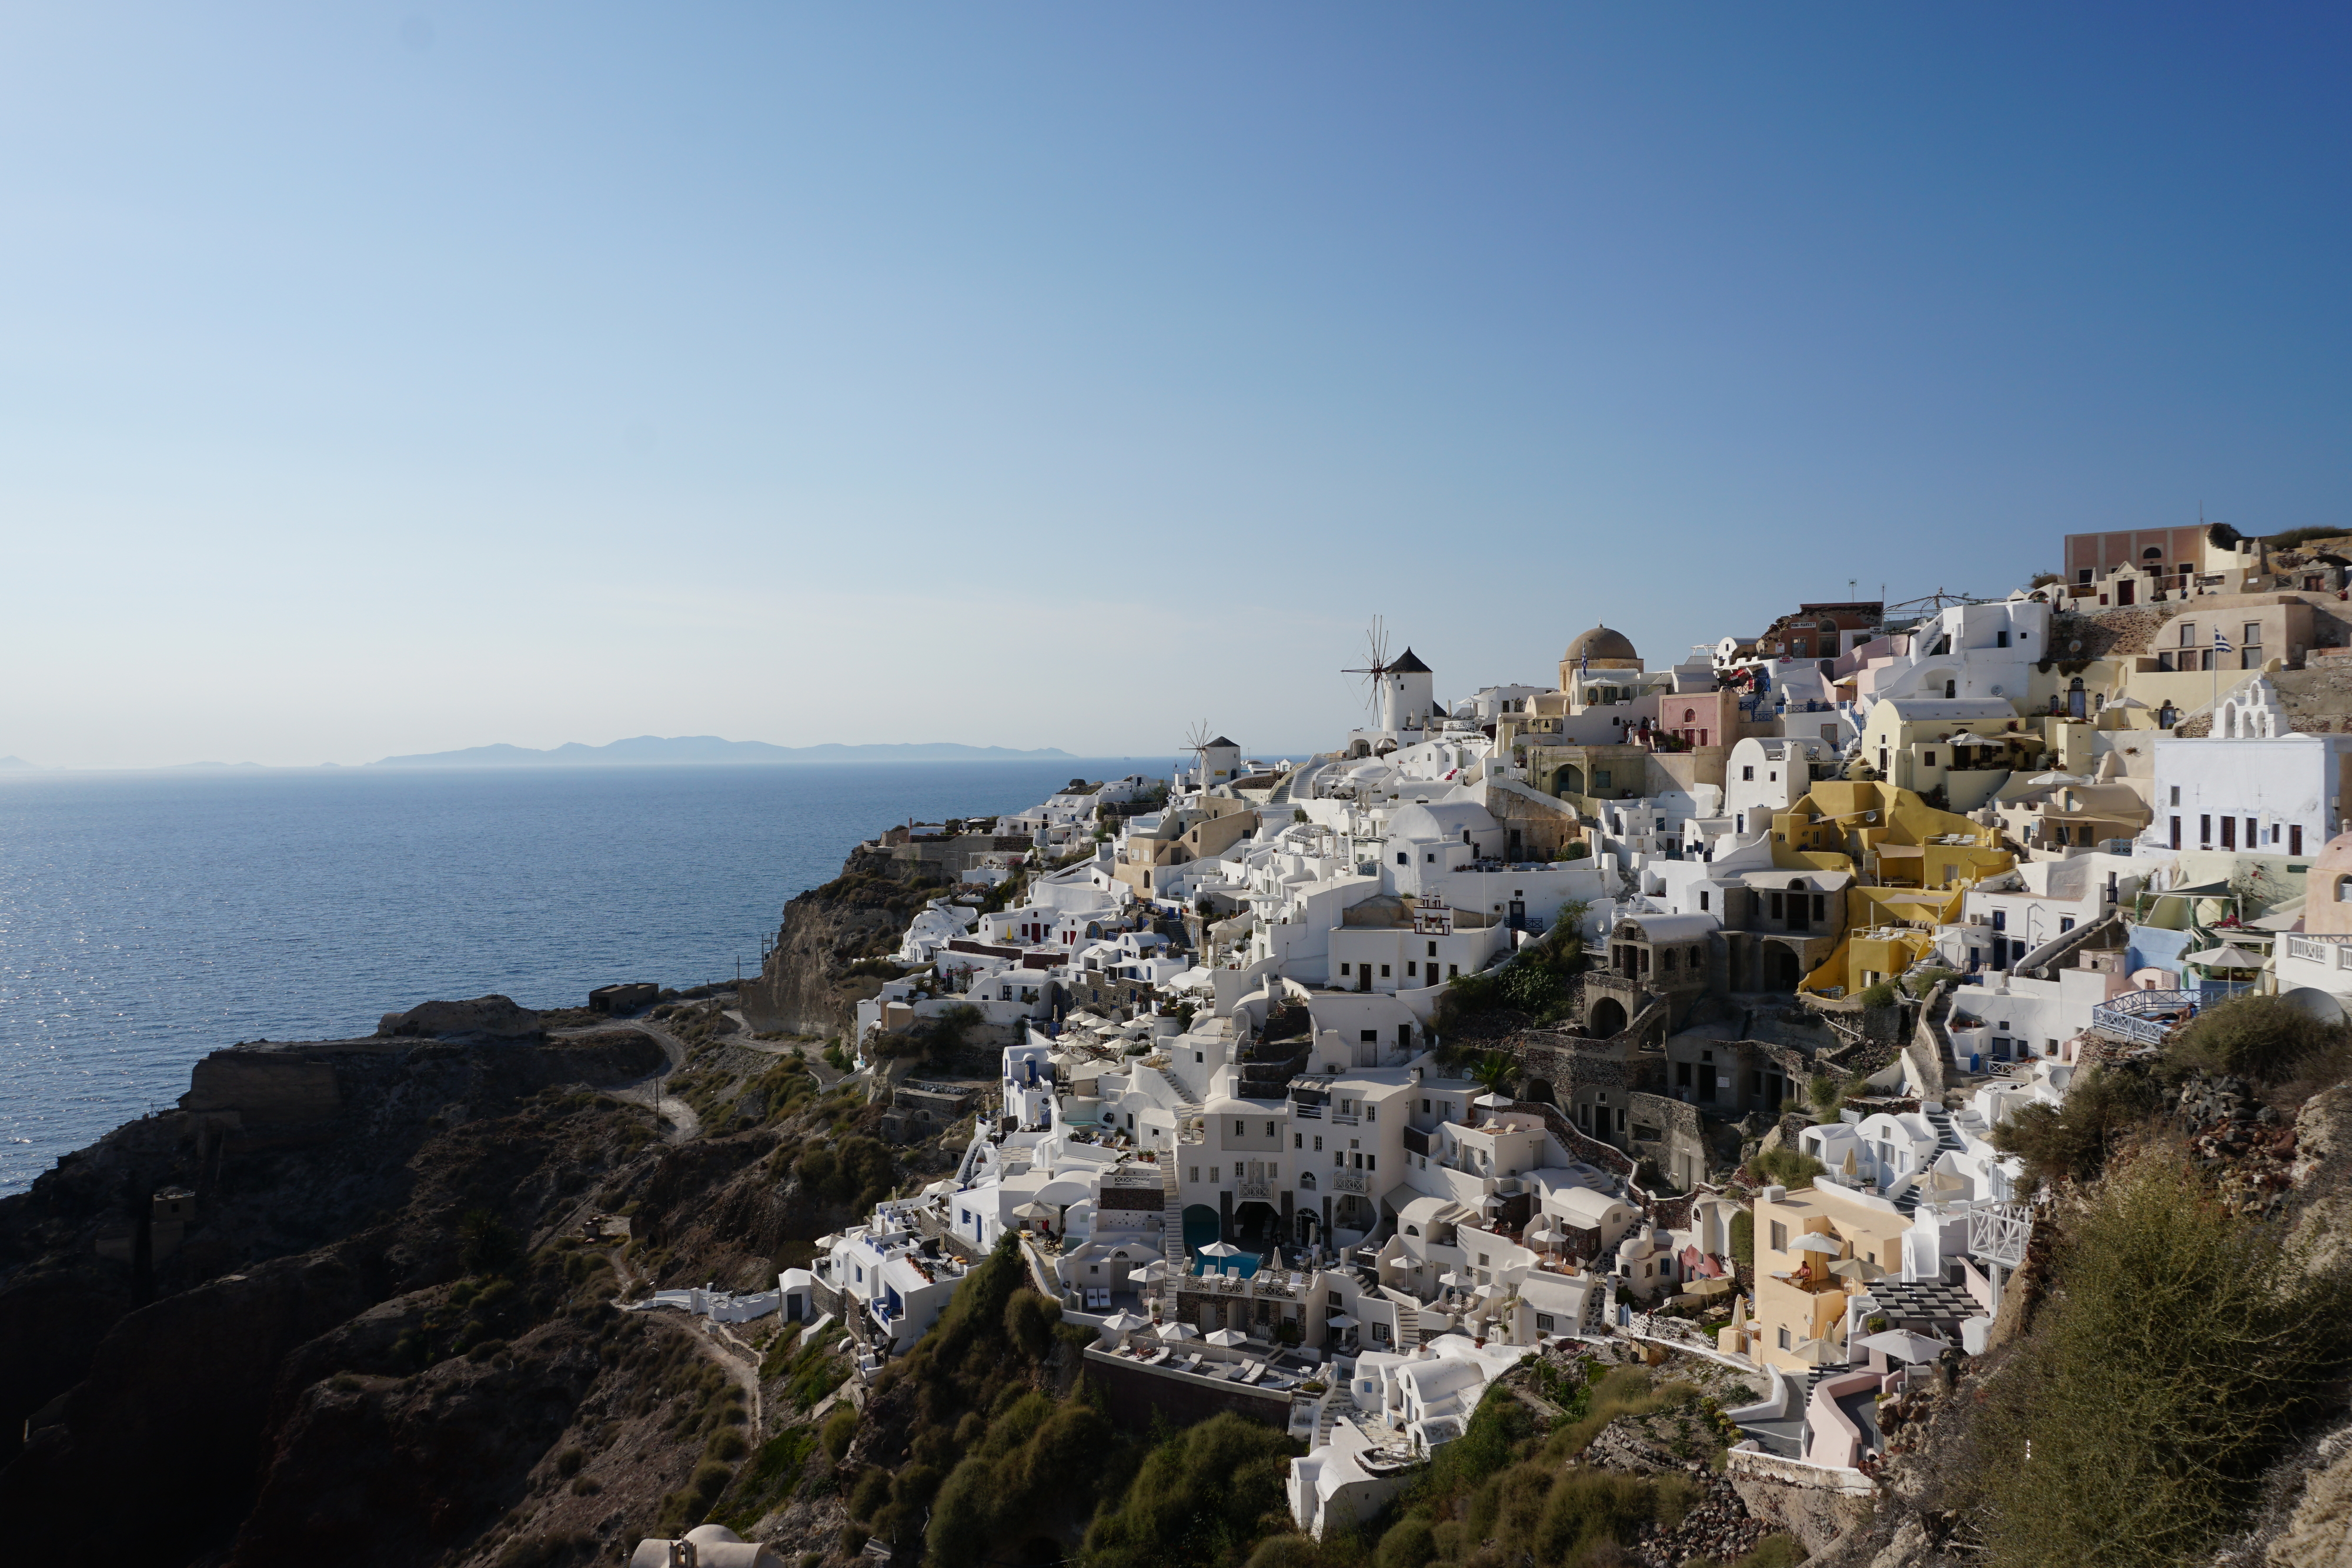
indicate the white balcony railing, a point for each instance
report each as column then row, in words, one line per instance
column 1350, row 1181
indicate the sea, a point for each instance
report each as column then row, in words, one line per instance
column 149, row 918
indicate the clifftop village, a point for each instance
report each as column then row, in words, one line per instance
column 1671, row 1004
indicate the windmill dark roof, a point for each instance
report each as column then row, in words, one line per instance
column 1220, row 740
column 1406, row 664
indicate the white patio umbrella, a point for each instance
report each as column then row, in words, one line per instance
column 1224, row 1338
column 1119, row 1326
column 1339, row 1321
column 1452, row 1281
column 1814, row 1241
column 1153, row 1272
column 2225, row 957
column 1219, row 1251
column 1178, row 1331
column 1818, row 1353
column 1901, row 1344
column 1861, row 1269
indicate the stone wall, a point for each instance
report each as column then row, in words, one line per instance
column 1134, row 1393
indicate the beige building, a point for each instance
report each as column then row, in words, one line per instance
column 1798, row 1296
column 1965, row 747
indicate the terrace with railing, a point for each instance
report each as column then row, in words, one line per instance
column 2144, row 1017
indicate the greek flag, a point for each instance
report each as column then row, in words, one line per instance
column 2221, row 641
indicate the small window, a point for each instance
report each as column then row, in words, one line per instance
column 1544, row 1323
column 1346, row 969
column 1748, row 775
column 1784, row 1339
column 1779, row 1237
column 1403, row 859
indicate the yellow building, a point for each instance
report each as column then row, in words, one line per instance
column 1889, row 834
column 1919, row 859
column 1798, row 1296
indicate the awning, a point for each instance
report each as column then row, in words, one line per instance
column 2201, row 890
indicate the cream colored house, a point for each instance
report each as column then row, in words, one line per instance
column 1799, row 1296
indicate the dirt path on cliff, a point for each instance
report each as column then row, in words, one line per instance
column 825, row 1073
column 685, row 1125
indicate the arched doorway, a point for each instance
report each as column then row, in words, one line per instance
column 1256, row 1227
column 1568, row 780
column 1606, row 1017
column 2077, row 702
column 1200, row 1228
column 1782, row 970
column 1309, row 1222
column 1538, row 1091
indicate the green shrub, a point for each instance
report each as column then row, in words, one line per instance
column 1926, row 981
column 1785, row 1166
column 855, row 1171
column 487, row 1244
column 1880, row 995
column 839, row 1428
column 2070, row 1142
column 568, row 1462
column 1409, row 1543
column 866, row 1498
column 2183, row 1351
column 1743, row 1237
column 2265, row 1037
column 765, row 1484
column 1198, row 1498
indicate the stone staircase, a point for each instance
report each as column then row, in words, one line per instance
column 1171, row 1242
column 1941, row 1120
column 1184, row 1096
column 1408, row 1334
column 1334, row 1407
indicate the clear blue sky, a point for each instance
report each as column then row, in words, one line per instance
column 384, row 380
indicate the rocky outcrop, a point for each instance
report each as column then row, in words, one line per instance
column 2318, row 1533
column 164, row 1381
column 256, row 1088
column 803, row 987
column 485, row 1020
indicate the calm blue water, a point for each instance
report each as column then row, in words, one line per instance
column 146, row 919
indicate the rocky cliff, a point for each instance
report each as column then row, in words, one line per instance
column 806, row 987
column 382, row 1335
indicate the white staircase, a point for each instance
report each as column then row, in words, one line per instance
column 1409, row 1332
column 1171, row 1242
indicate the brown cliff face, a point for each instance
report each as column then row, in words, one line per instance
column 804, row 987
column 298, row 1229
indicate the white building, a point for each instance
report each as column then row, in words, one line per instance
column 2255, row 786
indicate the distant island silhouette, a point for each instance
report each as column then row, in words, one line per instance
column 653, row 749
